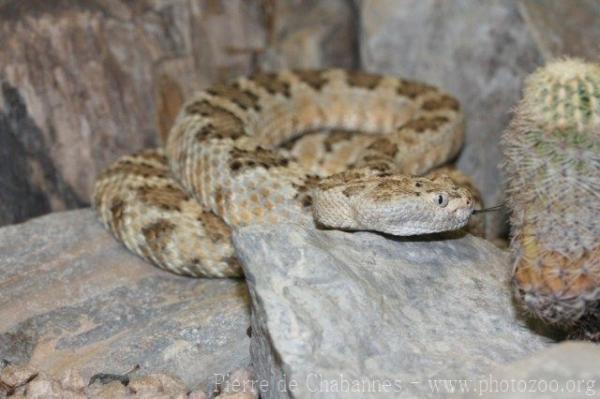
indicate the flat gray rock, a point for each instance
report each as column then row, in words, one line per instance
column 72, row 297
column 335, row 312
column 566, row 371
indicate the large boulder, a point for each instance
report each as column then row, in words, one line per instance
column 72, row 297
column 340, row 312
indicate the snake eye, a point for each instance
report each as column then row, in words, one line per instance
column 441, row 199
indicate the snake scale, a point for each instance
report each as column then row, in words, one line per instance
column 339, row 149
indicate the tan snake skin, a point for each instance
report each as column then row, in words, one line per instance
column 241, row 153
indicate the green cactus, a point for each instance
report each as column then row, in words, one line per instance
column 564, row 95
column 552, row 169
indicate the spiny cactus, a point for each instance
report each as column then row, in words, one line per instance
column 552, row 169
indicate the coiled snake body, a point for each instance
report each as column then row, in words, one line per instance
column 241, row 153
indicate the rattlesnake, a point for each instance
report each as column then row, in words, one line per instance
column 239, row 153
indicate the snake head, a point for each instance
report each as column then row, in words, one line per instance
column 398, row 204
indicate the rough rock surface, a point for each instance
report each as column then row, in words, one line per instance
column 330, row 306
column 565, row 371
column 480, row 52
column 72, row 297
column 564, row 28
column 73, row 386
column 82, row 82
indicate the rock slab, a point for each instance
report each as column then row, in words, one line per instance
column 341, row 314
column 71, row 297
column 565, row 371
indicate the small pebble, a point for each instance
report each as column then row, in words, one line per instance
column 15, row 376
column 159, row 384
column 112, row 390
column 73, row 395
column 197, row 394
column 42, row 388
column 72, row 381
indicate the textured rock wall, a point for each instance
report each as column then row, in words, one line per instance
column 83, row 82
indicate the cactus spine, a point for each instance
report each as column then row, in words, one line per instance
column 552, row 169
